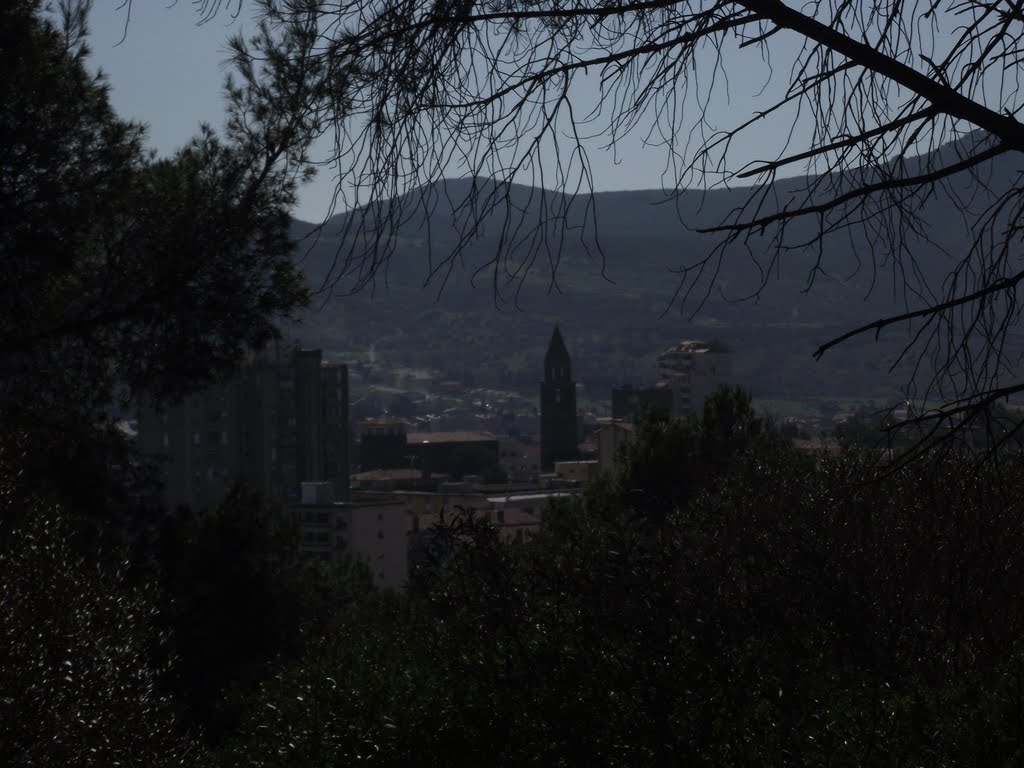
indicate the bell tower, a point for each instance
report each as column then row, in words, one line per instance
column 557, row 406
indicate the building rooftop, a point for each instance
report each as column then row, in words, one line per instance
column 400, row 480
column 626, row 426
column 696, row 346
column 514, row 498
column 388, row 474
column 383, row 421
column 449, row 437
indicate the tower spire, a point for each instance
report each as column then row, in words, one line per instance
column 557, row 365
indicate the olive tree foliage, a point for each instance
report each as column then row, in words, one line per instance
column 865, row 92
column 77, row 682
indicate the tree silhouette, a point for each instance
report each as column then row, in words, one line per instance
column 125, row 272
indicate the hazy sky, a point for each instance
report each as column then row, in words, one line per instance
column 168, row 73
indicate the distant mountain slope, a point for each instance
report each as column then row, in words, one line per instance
column 617, row 313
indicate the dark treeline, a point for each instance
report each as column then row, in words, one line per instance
column 722, row 599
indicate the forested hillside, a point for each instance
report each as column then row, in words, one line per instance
column 614, row 290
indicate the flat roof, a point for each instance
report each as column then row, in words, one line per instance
column 529, row 496
column 412, row 438
column 401, row 473
column 698, row 346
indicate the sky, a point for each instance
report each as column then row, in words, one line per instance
column 167, row 71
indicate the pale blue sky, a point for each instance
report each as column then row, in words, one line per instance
column 168, row 73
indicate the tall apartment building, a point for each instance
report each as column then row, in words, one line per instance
column 197, row 441
column 694, row 369
column 280, row 421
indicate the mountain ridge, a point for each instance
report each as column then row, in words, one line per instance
column 614, row 284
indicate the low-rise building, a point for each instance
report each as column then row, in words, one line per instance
column 453, row 453
column 609, row 440
column 581, row 472
column 520, row 458
column 382, row 444
column 373, row 531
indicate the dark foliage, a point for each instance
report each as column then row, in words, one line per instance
column 758, row 606
column 238, row 599
column 123, row 273
column 77, row 686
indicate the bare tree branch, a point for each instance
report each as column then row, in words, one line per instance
column 885, row 107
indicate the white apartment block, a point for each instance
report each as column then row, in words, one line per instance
column 694, row 369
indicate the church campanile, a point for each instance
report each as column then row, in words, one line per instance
column 557, row 406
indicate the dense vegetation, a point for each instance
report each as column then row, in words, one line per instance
column 722, row 599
